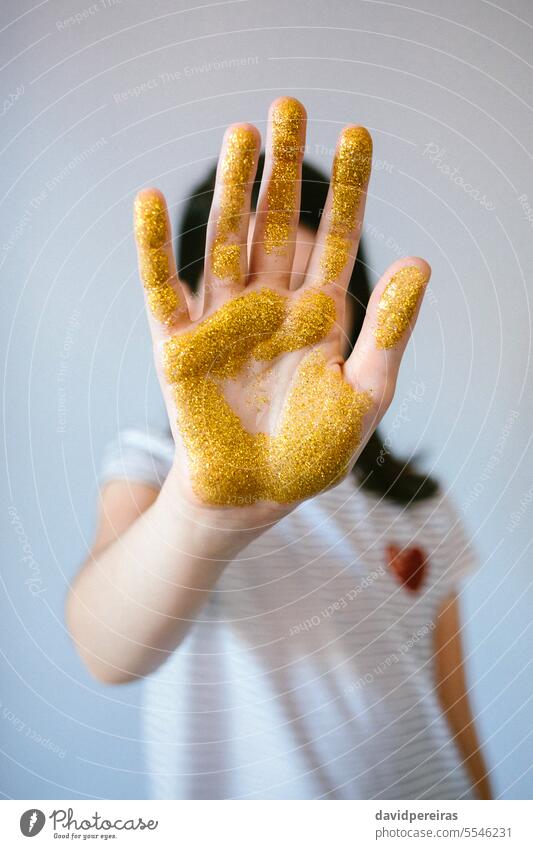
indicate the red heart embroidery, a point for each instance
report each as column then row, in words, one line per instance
column 408, row 564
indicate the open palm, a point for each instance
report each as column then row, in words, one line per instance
column 263, row 408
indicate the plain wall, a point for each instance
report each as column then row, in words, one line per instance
column 128, row 94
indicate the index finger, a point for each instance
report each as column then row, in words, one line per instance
column 337, row 239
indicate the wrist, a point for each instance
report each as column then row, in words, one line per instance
column 200, row 531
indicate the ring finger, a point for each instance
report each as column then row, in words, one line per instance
column 227, row 228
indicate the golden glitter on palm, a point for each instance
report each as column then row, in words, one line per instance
column 263, row 408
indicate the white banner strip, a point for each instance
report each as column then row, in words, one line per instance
column 267, row 825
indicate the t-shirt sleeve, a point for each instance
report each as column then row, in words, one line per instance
column 455, row 552
column 144, row 456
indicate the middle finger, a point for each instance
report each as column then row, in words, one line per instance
column 278, row 209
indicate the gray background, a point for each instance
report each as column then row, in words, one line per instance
column 134, row 93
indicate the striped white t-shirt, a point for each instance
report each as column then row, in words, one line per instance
column 309, row 672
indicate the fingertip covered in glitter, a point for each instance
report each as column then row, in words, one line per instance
column 397, row 305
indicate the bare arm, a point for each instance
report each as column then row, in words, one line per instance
column 151, row 568
column 453, row 694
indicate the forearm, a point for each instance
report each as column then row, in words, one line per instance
column 131, row 605
column 453, row 692
column 468, row 744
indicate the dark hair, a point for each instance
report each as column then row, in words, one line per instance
column 377, row 468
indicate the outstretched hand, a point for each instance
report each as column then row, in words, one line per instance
column 262, row 406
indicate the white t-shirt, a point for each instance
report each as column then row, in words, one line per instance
column 309, row 672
